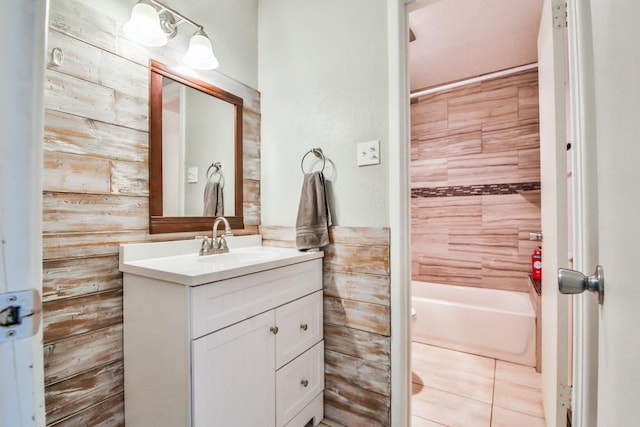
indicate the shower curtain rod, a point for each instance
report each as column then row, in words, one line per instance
column 477, row 79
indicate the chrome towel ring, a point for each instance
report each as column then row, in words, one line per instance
column 217, row 169
column 316, row 152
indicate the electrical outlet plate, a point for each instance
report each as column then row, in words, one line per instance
column 192, row 175
column 368, row 153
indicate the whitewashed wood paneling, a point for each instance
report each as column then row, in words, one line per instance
column 96, row 185
column 357, row 325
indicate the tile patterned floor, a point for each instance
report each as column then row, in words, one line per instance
column 454, row 389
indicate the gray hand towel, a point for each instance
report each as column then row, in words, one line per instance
column 213, row 199
column 314, row 219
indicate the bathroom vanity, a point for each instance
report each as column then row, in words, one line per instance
column 222, row 340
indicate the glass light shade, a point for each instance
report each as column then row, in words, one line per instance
column 144, row 26
column 200, row 54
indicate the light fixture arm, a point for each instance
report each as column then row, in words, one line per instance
column 152, row 24
column 170, row 19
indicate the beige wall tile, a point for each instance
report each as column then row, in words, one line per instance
column 439, row 212
column 499, row 104
column 511, row 210
column 464, row 141
column 508, row 135
column 529, row 164
column 486, row 233
column 429, row 173
column 429, row 115
column 494, row 168
column 528, row 100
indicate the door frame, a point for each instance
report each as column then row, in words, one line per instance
column 584, row 392
column 399, row 209
column 584, row 219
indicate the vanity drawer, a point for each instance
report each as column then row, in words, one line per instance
column 220, row 304
column 298, row 383
column 300, row 327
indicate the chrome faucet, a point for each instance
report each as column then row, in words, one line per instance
column 215, row 244
column 219, row 244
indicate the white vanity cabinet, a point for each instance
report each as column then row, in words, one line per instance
column 245, row 351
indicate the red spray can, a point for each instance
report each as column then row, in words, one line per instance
column 536, row 263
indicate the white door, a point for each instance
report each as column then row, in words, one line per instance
column 555, row 355
column 22, row 46
column 616, row 72
column 606, row 54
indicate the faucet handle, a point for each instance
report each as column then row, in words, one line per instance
column 205, row 245
column 215, row 243
column 223, row 243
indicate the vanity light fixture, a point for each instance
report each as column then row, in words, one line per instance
column 153, row 24
column 144, row 26
column 200, row 54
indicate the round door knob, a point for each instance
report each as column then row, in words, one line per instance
column 303, row 326
column 304, row 383
column 574, row 282
column 274, row 329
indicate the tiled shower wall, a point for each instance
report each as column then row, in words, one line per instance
column 475, row 183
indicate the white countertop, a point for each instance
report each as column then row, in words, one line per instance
column 179, row 262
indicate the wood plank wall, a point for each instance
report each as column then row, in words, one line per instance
column 475, row 179
column 357, row 325
column 96, row 189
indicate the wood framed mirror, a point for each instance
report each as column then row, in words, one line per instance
column 195, row 138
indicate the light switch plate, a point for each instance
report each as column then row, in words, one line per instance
column 368, row 153
column 192, row 175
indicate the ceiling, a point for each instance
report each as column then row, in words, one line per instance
column 460, row 39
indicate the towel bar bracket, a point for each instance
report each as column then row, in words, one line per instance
column 317, row 152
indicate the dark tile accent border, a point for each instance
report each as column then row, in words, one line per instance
column 474, row 190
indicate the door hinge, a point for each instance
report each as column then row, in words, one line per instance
column 564, row 395
column 560, row 15
column 19, row 315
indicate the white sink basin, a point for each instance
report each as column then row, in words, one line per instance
column 179, row 262
column 240, row 257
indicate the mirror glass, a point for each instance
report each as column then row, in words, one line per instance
column 195, row 154
column 198, row 133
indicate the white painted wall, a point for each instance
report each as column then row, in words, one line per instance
column 232, row 26
column 323, row 77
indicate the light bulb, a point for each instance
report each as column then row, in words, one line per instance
column 144, row 26
column 200, row 54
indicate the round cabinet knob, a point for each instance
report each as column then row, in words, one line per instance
column 274, row 329
column 303, row 326
column 304, row 383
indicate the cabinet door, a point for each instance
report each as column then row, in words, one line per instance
column 233, row 375
column 300, row 324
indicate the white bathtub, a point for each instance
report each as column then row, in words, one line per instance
column 493, row 323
